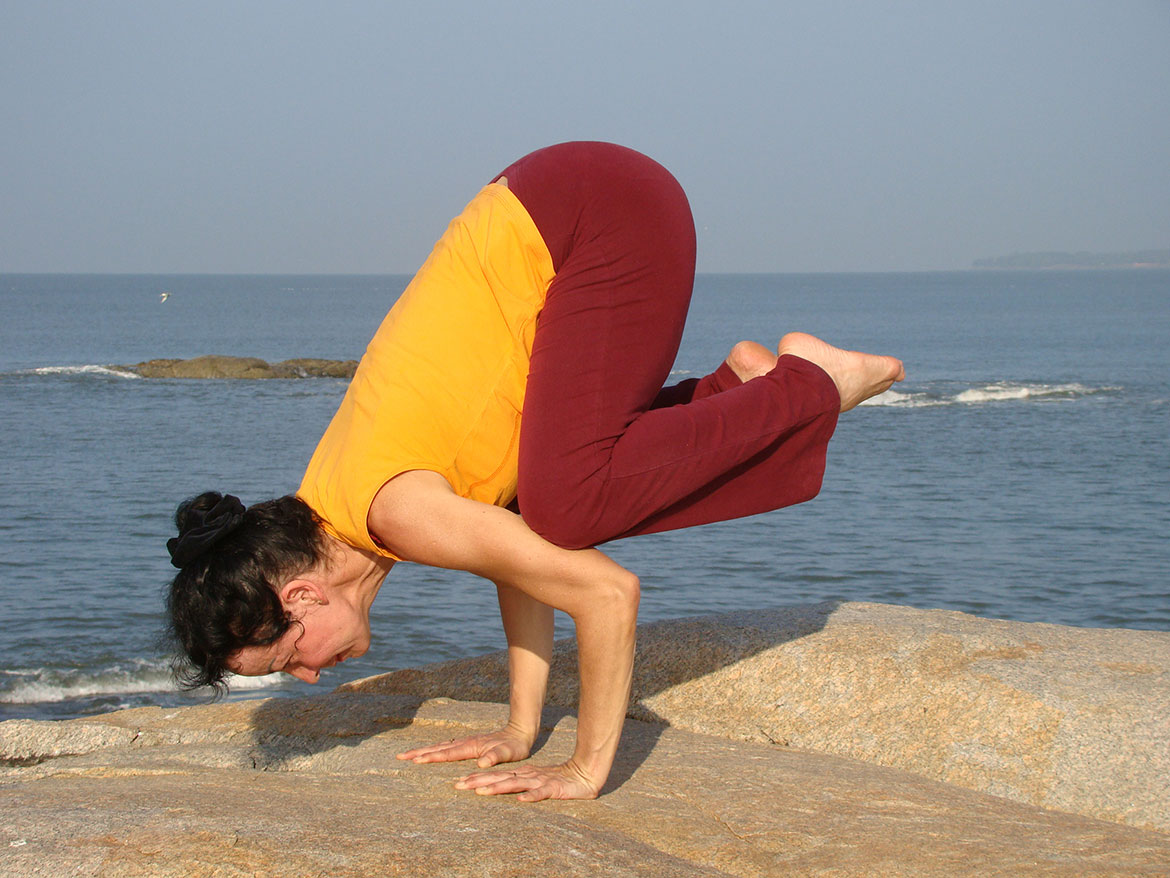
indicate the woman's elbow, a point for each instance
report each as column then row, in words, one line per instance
column 621, row 596
column 608, row 598
column 630, row 590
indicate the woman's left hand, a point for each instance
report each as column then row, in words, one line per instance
column 509, row 744
column 533, row 783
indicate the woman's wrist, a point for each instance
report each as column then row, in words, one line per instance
column 592, row 776
column 525, row 731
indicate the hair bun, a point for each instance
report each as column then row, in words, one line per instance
column 202, row 522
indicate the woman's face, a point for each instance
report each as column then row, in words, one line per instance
column 321, row 636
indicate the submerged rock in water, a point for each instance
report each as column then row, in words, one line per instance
column 310, row 786
column 215, row 366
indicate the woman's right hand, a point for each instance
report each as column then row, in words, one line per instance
column 509, row 744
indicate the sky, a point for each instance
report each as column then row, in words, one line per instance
column 276, row 136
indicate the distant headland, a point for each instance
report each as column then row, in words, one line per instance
column 1081, row 259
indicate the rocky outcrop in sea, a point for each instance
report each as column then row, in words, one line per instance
column 214, row 366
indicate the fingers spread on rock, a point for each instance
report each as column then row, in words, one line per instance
column 539, row 794
column 492, row 783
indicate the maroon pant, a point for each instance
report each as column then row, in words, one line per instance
column 605, row 450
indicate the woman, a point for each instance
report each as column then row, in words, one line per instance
column 559, row 293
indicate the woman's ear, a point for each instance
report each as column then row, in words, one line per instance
column 302, row 594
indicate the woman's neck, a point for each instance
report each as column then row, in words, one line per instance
column 354, row 572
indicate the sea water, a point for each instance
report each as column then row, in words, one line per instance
column 1021, row 470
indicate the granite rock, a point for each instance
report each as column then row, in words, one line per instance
column 310, row 787
column 718, row 775
column 1075, row 719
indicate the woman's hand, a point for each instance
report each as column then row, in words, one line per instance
column 507, row 745
column 534, row 783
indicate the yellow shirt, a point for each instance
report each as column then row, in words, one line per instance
column 441, row 385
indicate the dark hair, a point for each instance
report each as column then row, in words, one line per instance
column 226, row 597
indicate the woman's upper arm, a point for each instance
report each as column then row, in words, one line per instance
column 420, row 518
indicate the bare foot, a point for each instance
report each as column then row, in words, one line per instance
column 858, row 376
column 749, row 360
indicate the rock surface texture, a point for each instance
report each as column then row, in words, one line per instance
column 1076, row 719
column 310, row 786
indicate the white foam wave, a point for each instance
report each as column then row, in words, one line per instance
column 897, row 398
column 999, row 391
column 46, row 686
column 104, row 371
column 245, row 684
column 1002, row 391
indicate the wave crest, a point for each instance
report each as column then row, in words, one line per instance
column 103, row 371
column 51, row 685
column 995, row 392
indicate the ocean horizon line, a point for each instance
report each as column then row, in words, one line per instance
column 698, row 274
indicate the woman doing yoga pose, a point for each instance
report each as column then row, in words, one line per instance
column 508, row 416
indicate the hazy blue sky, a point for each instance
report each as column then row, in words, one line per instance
column 269, row 136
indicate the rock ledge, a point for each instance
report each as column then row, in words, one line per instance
column 732, row 786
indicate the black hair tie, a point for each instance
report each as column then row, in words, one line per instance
column 205, row 529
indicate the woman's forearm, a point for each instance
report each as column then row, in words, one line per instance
column 605, row 653
column 528, row 625
column 419, row 517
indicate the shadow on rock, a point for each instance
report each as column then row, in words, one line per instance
column 289, row 731
column 669, row 654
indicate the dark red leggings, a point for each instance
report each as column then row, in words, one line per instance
column 605, row 450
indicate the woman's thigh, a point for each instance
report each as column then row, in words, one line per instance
column 620, row 231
